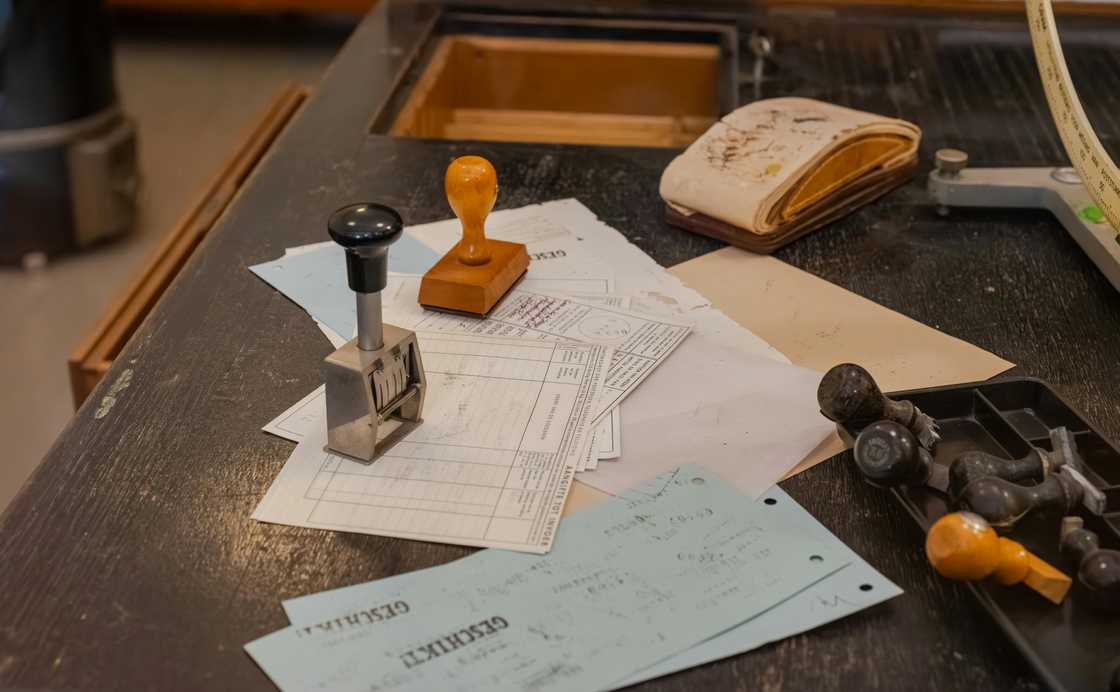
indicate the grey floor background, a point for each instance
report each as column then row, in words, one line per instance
column 195, row 86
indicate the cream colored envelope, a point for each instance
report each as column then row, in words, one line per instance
column 818, row 324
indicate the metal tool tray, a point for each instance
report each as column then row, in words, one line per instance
column 1072, row 646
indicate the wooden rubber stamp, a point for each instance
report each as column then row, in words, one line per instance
column 849, row 395
column 474, row 275
column 889, row 455
column 1098, row 573
column 963, row 546
column 1003, row 503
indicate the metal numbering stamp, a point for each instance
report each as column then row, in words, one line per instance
column 375, row 382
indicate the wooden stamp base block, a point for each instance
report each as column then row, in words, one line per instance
column 452, row 285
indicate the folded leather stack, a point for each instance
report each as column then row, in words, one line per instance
column 770, row 172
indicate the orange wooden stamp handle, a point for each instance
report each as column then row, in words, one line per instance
column 471, row 185
column 963, row 546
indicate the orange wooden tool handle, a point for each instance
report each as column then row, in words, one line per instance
column 962, row 545
column 471, row 184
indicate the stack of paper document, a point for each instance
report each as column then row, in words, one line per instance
column 673, row 573
column 506, row 425
column 659, row 378
column 687, row 563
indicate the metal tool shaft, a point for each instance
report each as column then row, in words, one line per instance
column 370, row 333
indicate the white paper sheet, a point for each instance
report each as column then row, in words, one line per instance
column 506, row 423
column 722, row 398
column 296, row 421
column 591, row 289
column 640, row 343
column 568, row 242
column 596, row 290
column 747, row 416
column 299, row 420
column 608, row 437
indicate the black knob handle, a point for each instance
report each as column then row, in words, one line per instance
column 972, row 466
column 1003, row 503
column 888, row 455
column 1098, row 573
column 366, row 230
column 849, row 395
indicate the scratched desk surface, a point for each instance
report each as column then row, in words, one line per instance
column 129, row 560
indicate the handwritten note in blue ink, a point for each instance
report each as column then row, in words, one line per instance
column 316, row 279
column 628, row 584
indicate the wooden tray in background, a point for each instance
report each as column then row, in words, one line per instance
column 573, row 91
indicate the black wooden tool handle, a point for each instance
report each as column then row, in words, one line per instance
column 972, row 466
column 1003, row 503
column 849, row 395
column 1098, row 572
column 888, row 455
column 366, row 230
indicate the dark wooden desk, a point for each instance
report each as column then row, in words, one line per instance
column 129, row 560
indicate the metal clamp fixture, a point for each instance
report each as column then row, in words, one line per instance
column 953, row 184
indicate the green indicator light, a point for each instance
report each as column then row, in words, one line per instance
column 1092, row 214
